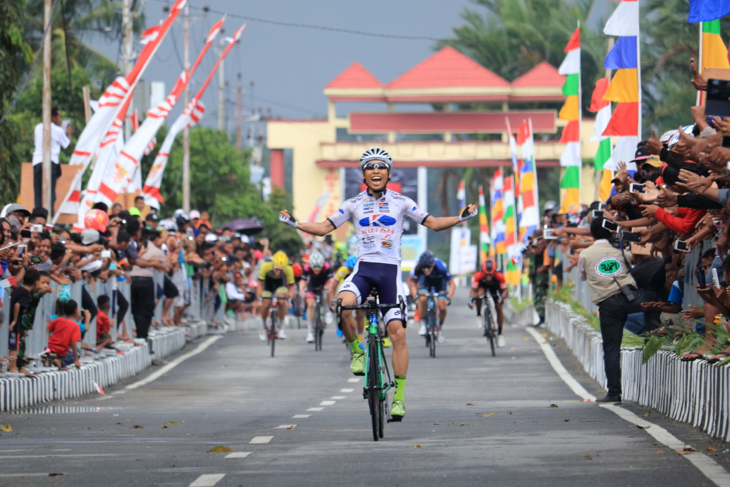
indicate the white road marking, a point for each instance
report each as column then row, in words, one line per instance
column 163, row 370
column 327, row 403
column 337, row 397
column 238, row 454
column 300, row 416
column 346, row 390
column 315, row 409
column 261, row 439
column 208, row 480
column 353, row 380
column 10, row 451
column 8, row 475
column 119, row 392
column 286, row 427
column 706, row 465
column 5, row 457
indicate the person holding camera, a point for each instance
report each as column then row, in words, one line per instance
column 613, row 290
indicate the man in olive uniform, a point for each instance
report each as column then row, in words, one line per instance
column 613, row 290
column 539, row 274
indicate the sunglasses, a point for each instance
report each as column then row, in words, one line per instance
column 375, row 165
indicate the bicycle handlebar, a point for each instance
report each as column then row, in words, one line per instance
column 372, row 305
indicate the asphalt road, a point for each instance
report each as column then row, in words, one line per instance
column 299, row 419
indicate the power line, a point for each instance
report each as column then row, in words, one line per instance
column 316, row 27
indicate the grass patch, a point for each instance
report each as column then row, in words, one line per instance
column 518, row 305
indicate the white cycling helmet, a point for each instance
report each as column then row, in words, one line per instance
column 316, row 259
column 376, row 153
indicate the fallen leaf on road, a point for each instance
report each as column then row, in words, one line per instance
column 585, row 400
column 469, row 404
column 648, row 413
column 173, row 422
column 6, row 428
column 224, row 366
column 510, row 412
column 567, row 421
column 486, row 415
column 553, row 405
column 137, row 427
column 165, row 375
column 54, row 474
column 219, row 449
column 416, row 446
column 514, row 348
column 163, row 426
column 643, row 427
column 544, row 335
column 588, row 457
column 712, row 448
column 659, row 452
column 291, row 427
column 526, row 338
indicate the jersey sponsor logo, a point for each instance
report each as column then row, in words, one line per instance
column 341, row 211
column 415, row 208
column 377, row 221
column 386, row 243
column 383, row 206
column 609, row 267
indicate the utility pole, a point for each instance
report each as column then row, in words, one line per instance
column 47, row 164
column 186, row 130
column 239, row 115
column 127, row 56
column 221, row 89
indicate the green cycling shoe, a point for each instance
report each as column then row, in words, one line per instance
column 357, row 364
column 398, row 411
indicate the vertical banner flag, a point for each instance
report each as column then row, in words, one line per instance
column 515, row 170
column 484, row 240
column 602, row 109
column 126, row 168
column 510, row 233
column 713, row 53
column 461, row 196
column 498, row 233
column 625, row 87
column 529, row 215
column 113, row 99
column 189, row 117
column 571, row 158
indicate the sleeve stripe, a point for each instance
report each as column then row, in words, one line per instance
column 332, row 223
column 424, row 218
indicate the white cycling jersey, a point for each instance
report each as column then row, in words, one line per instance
column 378, row 224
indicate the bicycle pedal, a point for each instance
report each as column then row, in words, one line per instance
column 395, row 419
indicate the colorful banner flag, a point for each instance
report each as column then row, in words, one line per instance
column 461, row 196
column 529, row 214
column 189, row 117
column 125, row 171
column 713, row 53
column 707, row 10
column 484, row 240
column 498, row 233
column 571, row 158
column 513, row 275
column 113, row 99
column 602, row 109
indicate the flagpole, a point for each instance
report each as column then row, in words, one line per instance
column 699, row 68
column 580, row 125
column 638, row 64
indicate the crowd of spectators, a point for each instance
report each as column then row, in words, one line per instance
column 38, row 258
column 676, row 200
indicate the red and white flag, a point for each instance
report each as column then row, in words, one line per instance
column 113, row 99
column 189, row 118
column 122, row 174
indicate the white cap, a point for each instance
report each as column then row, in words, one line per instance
column 211, row 237
column 194, row 214
column 89, row 236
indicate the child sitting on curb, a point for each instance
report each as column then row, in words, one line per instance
column 103, row 323
column 65, row 335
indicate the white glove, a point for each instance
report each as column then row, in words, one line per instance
column 465, row 216
column 289, row 221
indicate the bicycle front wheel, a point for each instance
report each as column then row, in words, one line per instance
column 318, row 330
column 374, row 389
column 432, row 333
column 272, row 332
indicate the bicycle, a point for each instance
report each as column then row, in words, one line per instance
column 377, row 375
column 318, row 322
column 432, row 322
column 273, row 335
column 297, row 306
column 489, row 322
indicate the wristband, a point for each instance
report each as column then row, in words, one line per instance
column 289, row 221
column 465, row 216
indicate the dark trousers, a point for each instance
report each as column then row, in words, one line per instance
column 143, row 304
column 613, row 312
column 123, row 307
column 38, row 184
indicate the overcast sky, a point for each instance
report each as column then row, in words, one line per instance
column 290, row 66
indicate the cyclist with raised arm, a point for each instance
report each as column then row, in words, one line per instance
column 276, row 277
column 493, row 282
column 316, row 273
column 431, row 273
column 377, row 214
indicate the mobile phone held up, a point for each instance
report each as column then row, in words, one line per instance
column 639, row 188
column 631, row 237
column 681, row 246
column 548, row 235
column 596, row 213
column 718, row 98
column 610, row 226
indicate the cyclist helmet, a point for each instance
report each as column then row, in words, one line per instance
column 489, row 266
column 280, row 260
column 96, row 220
column 181, row 218
column 426, row 259
column 351, row 261
column 316, row 259
column 376, row 153
column 549, row 206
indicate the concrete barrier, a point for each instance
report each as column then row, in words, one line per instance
column 691, row 392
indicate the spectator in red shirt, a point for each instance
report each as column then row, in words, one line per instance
column 103, row 323
column 66, row 334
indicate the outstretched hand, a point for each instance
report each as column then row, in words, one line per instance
column 469, row 212
column 285, row 217
column 697, row 80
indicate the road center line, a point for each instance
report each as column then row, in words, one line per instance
column 261, row 439
column 208, row 480
column 300, row 416
column 346, row 390
column 285, row 427
column 353, row 380
column 163, row 370
column 315, row 409
column 327, row 403
column 238, row 454
column 706, row 465
column 337, row 397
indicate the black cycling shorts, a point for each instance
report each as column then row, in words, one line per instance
column 386, row 278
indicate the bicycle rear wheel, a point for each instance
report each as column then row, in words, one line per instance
column 432, row 334
column 374, row 389
column 318, row 330
column 272, row 332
